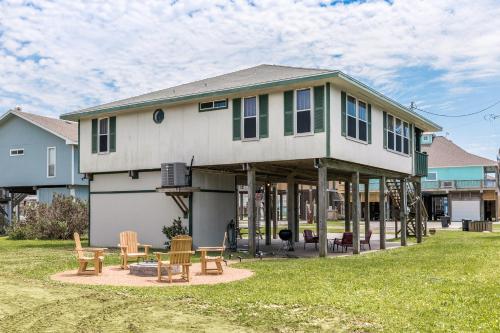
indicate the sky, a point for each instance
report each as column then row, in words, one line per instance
column 57, row 57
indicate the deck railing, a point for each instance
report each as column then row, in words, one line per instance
column 421, row 164
column 458, row 184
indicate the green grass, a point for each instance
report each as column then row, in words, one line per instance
column 448, row 283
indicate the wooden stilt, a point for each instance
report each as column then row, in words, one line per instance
column 267, row 207
column 290, row 207
column 402, row 210
column 296, row 232
column 367, row 208
column 347, row 209
column 418, row 211
column 322, row 204
column 382, row 212
column 355, row 212
column 274, row 212
column 251, row 209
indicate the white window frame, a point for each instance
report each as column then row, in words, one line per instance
column 213, row 107
column 48, row 160
column 395, row 135
column 431, row 180
column 16, row 150
column 357, row 119
column 257, row 116
column 99, row 136
column 311, row 111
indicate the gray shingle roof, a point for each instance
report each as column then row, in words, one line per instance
column 63, row 128
column 444, row 153
column 242, row 78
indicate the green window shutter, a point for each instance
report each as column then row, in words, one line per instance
column 94, row 136
column 319, row 109
column 369, row 123
column 288, row 116
column 385, row 130
column 237, row 119
column 263, row 116
column 343, row 100
column 112, row 134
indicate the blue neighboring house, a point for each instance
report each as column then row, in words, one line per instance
column 459, row 184
column 38, row 156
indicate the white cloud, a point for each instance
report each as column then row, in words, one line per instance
column 60, row 57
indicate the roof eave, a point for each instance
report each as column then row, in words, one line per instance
column 429, row 125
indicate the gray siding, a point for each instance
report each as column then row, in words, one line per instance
column 45, row 195
column 30, row 169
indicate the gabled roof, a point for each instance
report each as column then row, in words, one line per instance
column 258, row 77
column 444, row 153
column 65, row 129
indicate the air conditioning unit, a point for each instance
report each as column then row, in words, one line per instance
column 174, row 174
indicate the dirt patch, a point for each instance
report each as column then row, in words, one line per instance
column 115, row 276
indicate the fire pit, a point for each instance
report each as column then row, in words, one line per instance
column 149, row 268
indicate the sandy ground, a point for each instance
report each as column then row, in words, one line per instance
column 115, row 276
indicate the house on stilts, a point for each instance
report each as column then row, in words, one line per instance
column 256, row 127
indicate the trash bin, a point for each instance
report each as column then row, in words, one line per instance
column 445, row 221
column 465, row 225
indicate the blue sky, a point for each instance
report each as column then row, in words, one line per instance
column 443, row 55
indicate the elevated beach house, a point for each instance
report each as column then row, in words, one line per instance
column 459, row 184
column 38, row 156
column 256, row 127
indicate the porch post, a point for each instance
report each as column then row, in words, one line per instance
column 322, row 206
column 356, row 210
column 251, row 209
column 9, row 208
column 281, row 207
column 290, row 205
column 297, row 213
column 347, row 203
column 381, row 208
column 418, row 211
column 240, row 194
column 268, row 210
column 367, row 208
column 402, row 210
column 274, row 212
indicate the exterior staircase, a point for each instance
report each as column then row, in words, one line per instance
column 15, row 198
column 412, row 201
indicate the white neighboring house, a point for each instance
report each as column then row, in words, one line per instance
column 278, row 121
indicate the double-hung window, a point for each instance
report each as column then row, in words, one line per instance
column 103, row 135
column 362, row 121
column 398, row 135
column 250, row 116
column 51, row 162
column 390, row 132
column 303, row 111
column 357, row 119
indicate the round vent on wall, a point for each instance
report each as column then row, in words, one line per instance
column 158, row 116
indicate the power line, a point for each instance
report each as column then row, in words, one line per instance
column 413, row 107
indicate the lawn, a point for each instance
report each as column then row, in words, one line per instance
column 448, row 283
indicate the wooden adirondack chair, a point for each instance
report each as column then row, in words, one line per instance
column 129, row 248
column 216, row 259
column 96, row 258
column 179, row 255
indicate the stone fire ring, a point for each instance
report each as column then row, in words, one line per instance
column 149, row 268
column 115, row 276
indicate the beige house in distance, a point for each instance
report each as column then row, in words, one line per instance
column 258, row 126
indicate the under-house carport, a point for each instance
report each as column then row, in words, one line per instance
column 318, row 172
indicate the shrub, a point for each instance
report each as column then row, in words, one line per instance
column 65, row 216
column 175, row 229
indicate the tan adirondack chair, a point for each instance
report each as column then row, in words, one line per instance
column 205, row 259
column 84, row 259
column 179, row 255
column 129, row 248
